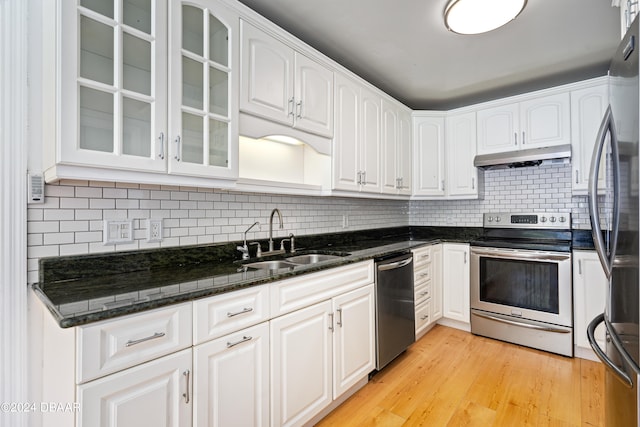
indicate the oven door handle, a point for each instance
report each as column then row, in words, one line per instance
column 521, row 255
column 525, row 325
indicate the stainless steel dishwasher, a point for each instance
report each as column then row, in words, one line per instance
column 395, row 310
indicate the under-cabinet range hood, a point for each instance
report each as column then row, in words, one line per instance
column 523, row 158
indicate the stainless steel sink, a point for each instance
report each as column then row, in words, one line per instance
column 270, row 265
column 311, row 258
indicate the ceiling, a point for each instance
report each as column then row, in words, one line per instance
column 403, row 47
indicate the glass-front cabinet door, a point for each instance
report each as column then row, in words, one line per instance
column 113, row 84
column 203, row 89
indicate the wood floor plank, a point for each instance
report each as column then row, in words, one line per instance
column 453, row 378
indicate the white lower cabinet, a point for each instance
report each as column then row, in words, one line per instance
column 319, row 352
column 589, row 296
column 231, row 385
column 301, row 352
column 276, row 354
column 455, row 273
column 354, row 338
column 156, row 393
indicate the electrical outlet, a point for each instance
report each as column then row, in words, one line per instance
column 154, row 230
column 117, row 231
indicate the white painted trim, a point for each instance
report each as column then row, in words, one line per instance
column 13, row 220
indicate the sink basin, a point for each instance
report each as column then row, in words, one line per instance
column 270, row 265
column 311, row 258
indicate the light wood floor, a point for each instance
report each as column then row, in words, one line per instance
column 453, row 378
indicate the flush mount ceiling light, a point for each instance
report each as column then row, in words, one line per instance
column 480, row 16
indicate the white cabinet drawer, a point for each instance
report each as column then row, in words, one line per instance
column 112, row 345
column 222, row 314
column 422, row 275
column 421, row 256
column 298, row 292
column 422, row 292
column 423, row 315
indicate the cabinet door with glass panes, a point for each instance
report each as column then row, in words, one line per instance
column 203, row 89
column 113, row 84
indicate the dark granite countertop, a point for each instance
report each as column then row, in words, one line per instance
column 82, row 289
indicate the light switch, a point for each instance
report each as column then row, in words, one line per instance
column 117, row 231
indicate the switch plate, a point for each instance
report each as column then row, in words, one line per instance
column 154, row 230
column 117, row 231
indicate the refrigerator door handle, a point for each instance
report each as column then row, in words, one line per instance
column 606, row 127
column 620, row 374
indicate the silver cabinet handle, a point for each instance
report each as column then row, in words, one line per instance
column 244, row 339
column 425, row 317
column 161, row 151
column 580, row 267
column 515, row 137
column 577, row 176
column 424, row 293
column 523, row 139
column 331, row 322
column 473, row 183
column 339, row 322
column 177, row 141
column 141, row 340
column 465, row 258
column 364, row 177
column 187, row 375
column 299, row 110
column 291, row 113
column 243, row 311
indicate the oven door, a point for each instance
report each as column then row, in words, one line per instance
column 534, row 285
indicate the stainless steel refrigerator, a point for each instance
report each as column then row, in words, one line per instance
column 615, row 227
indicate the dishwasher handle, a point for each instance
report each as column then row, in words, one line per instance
column 394, row 265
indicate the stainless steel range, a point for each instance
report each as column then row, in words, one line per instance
column 521, row 286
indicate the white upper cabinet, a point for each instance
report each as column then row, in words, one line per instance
column 203, row 90
column 146, row 89
column 444, row 145
column 285, row 86
column 428, row 155
column 462, row 176
column 396, row 148
column 532, row 123
column 356, row 145
column 112, row 100
column 588, row 106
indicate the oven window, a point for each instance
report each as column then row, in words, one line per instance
column 523, row 284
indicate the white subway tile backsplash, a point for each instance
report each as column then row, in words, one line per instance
column 70, row 221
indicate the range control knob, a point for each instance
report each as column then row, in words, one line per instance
column 552, row 219
column 543, row 219
column 498, row 219
column 562, row 219
column 489, row 219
